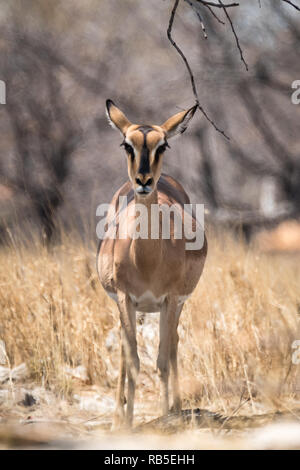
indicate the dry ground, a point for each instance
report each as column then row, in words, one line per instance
column 236, row 336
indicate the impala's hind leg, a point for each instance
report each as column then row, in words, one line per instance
column 167, row 318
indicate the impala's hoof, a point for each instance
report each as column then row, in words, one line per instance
column 119, row 420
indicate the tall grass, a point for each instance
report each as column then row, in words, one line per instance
column 236, row 330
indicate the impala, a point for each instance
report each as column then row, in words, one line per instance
column 151, row 274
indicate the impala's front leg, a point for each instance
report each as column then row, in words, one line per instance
column 128, row 333
column 173, row 360
column 120, row 398
column 167, row 317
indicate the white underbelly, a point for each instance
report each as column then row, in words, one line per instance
column 148, row 302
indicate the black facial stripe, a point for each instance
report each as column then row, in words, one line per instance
column 157, row 155
column 145, row 161
column 128, row 149
column 160, row 150
column 131, row 153
column 145, row 129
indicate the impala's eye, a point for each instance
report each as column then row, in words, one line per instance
column 161, row 149
column 128, row 149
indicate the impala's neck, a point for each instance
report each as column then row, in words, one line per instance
column 146, row 252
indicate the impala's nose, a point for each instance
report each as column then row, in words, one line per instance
column 144, row 185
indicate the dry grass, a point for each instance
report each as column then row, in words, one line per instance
column 236, row 331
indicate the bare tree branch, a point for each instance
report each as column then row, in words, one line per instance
column 214, row 14
column 292, row 4
column 199, row 17
column 171, row 21
column 215, row 5
column 235, row 35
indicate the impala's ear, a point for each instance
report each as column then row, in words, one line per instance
column 178, row 123
column 116, row 118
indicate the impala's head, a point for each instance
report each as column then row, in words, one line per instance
column 145, row 145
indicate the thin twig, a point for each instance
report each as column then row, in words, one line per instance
column 292, row 4
column 235, row 35
column 171, row 21
column 215, row 5
column 213, row 13
column 199, row 17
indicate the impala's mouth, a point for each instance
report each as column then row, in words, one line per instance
column 143, row 190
